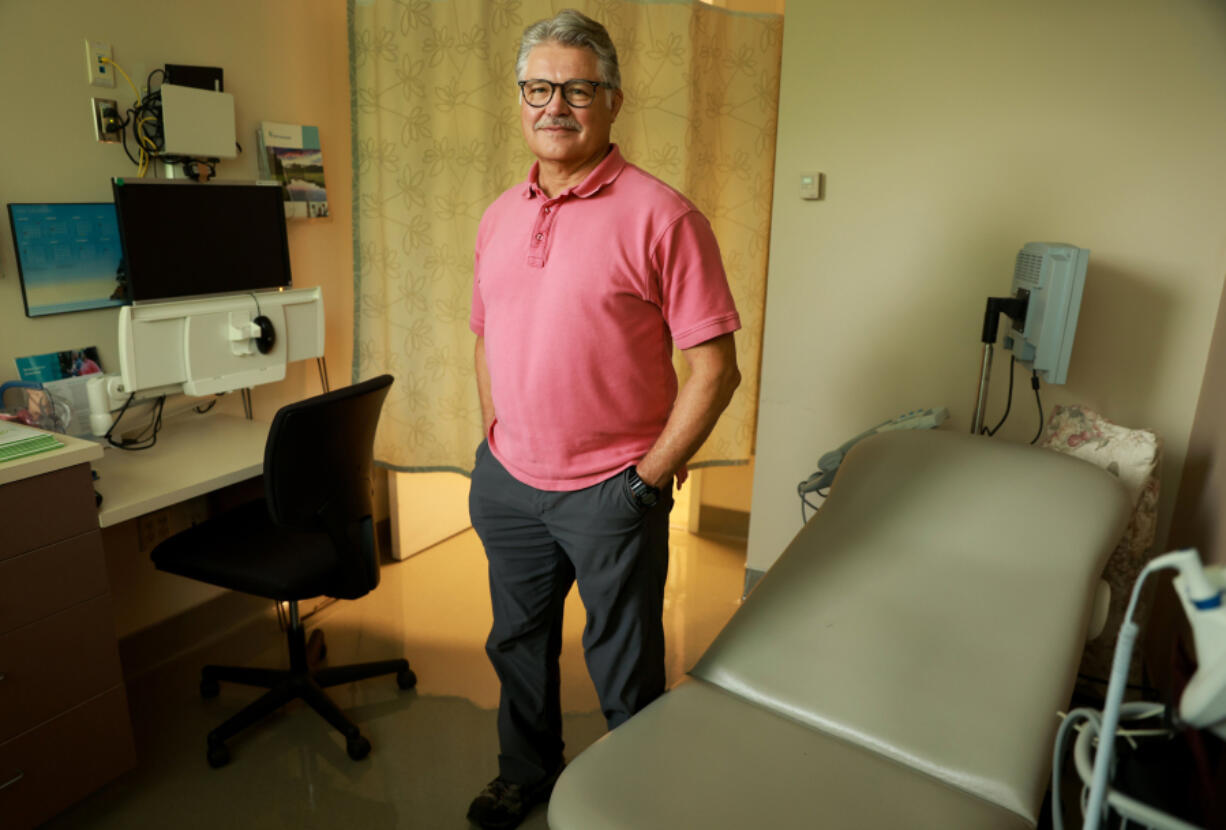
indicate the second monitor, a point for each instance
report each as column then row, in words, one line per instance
column 184, row 239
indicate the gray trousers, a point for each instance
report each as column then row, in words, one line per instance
column 538, row 543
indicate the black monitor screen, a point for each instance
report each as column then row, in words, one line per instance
column 181, row 239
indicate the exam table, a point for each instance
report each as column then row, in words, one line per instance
column 901, row 665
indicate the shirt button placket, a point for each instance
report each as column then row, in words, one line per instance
column 543, row 223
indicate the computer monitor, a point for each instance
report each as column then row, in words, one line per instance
column 187, row 239
column 69, row 256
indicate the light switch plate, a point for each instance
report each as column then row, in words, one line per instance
column 812, row 186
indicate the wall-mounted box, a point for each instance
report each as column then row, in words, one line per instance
column 198, row 122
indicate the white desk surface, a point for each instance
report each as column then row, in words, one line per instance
column 74, row 451
column 194, row 455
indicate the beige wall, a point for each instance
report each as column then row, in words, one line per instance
column 1197, row 520
column 284, row 60
column 950, row 134
column 1202, row 490
column 728, row 488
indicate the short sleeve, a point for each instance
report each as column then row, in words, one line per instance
column 694, row 294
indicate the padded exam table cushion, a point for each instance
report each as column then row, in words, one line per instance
column 901, row 665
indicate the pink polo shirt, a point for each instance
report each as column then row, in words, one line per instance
column 580, row 299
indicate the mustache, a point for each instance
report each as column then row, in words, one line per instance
column 566, row 122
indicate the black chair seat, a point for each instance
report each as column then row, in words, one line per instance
column 243, row 550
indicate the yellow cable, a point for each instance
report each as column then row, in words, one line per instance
column 145, row 157
column 125, row 77
column 141, row 137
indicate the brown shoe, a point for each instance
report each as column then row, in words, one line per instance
column 503, row 805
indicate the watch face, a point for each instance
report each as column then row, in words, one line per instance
column 644, row 494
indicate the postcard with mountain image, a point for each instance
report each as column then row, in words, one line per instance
column 291, row 154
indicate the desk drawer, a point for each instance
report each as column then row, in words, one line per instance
column 51, row 767
column 48, row 580
column 45, row 509
column 55, row 663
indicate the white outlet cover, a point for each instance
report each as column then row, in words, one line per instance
column 99, row 74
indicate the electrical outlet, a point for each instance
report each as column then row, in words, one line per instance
column 105, row 112
column 101, row 73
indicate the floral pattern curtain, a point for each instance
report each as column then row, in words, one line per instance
column 437, row 138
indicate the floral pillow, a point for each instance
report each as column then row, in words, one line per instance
column 1134, row 456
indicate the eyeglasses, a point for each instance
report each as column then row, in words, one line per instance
column 577, row 92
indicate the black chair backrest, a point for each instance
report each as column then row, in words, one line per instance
column 317, row 474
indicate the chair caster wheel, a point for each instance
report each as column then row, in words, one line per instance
column 406, row 679
column 209, row 688
column 218, row 755
column 357, row 747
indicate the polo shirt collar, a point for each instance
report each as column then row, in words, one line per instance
column 603, row 174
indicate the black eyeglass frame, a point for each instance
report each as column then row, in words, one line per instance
column 553, row 90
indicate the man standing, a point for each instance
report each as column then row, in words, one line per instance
column 586, row 275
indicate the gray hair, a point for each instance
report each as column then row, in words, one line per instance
column 572, row 28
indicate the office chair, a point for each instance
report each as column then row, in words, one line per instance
column 310, row 536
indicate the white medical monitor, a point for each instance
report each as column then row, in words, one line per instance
column 1053, row 275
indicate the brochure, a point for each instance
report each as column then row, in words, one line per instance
column 41, row 368
column 291, row 154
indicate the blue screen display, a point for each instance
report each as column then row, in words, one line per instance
column 69, row 257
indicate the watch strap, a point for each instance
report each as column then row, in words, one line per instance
column 643, row 493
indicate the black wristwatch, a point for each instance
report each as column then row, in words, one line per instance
column 644, row 494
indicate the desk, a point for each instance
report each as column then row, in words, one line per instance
column 64, row 728
column 74, row 451
column 194, row 455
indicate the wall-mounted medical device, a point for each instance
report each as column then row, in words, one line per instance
column 1045, row 300
column 210, row 345
column 1051, row 276
column 207, row 346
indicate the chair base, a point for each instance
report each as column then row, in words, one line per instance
column 298, row 682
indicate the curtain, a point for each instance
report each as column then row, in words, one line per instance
column 437, row 138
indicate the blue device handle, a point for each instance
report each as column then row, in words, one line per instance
column 17, row 384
